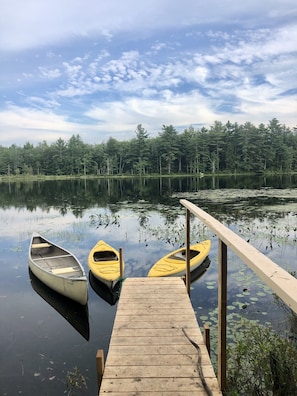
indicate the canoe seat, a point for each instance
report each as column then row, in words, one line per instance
column 57, row 271
column 40, row 245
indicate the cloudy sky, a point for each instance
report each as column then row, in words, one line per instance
column 98, row 68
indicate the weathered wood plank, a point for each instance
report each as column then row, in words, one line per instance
column 161, row 281
column 143, row 288
column 171, row 323
column 157, row 368
column 126, row 331
column 156, row 386
column 151, row 311
column 147, row 303
column 158, row 360
column 135, row 340
column 158, row 320
column 149, row 352
column 153, row 371
column 163, row 393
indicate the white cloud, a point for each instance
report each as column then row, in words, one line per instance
column 48, row 73
column 179, row 110
column 112, row 65
column 184, row 110
column 120, row 118
column 41, row 103
column 31, row 24
column 21, row 124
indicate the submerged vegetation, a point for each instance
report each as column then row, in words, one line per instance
column 76, row 383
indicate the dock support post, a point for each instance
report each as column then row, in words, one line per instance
column 206, row 337
column 100, row 366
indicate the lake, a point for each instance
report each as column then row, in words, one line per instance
column 46, row 342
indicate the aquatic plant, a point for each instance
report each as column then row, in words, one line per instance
column 260, row 362
column 76, row 382
column 104, row 220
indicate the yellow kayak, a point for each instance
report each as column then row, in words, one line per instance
column 174, row 263
column 104, row 263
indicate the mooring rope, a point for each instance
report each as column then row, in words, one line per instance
column 199, row 365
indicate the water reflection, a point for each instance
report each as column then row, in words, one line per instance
column 78, row 194
column 111, row 296
column 76, row 314
column 145, row 218
column 200, row 270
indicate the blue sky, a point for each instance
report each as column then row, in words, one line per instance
column 99, row 68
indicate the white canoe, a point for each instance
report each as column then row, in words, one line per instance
column 58, row 269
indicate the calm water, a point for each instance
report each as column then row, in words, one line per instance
column 44, row 338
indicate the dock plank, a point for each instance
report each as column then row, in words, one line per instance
column 149, row 353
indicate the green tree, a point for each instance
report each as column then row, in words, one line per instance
column 44, row 160
column 5, row 165
column 142, row 150
column 113, row 156
column 232, row 147
column 188, row 153
column 28, row 158
column 216, row 139
column 75, row 155
column 228, row 148
column 205, row 151
column 249, row 146
column 60, row 156
column 169, row 145
column 15, row 158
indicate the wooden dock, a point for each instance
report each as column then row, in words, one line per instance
column 149, row 352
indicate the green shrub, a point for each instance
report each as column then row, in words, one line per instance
column 261, row 363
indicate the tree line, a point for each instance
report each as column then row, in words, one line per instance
column 228, row 148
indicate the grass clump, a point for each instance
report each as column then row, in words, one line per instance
column 261, row 362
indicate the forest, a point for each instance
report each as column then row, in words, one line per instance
column 221, row 148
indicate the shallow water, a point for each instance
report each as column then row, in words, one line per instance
column 39, row 347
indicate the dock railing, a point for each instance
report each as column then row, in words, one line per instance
column 279, row 280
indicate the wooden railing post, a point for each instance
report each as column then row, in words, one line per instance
column 121, row 263
column 188, row 233
column 222, row 321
